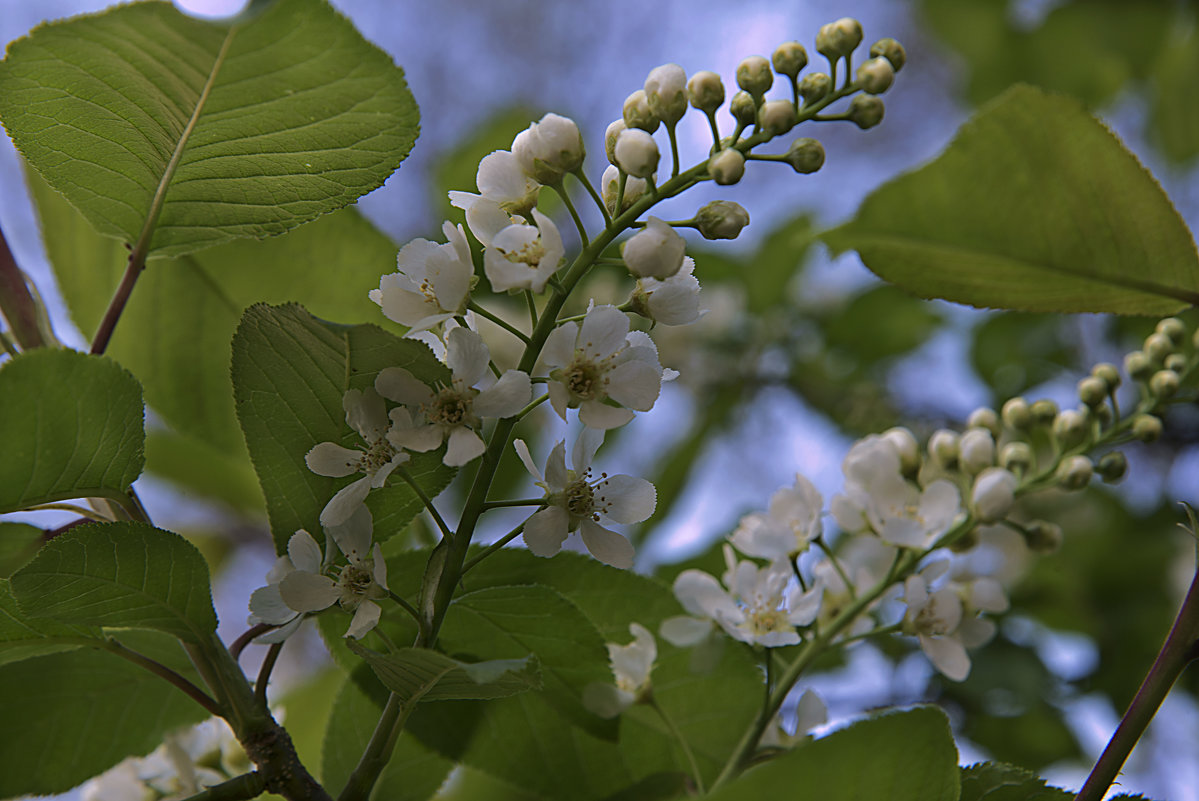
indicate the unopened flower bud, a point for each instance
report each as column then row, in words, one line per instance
column 778, row 117
column 637, row 153
column 706, row 91
column 1146, row 427
column 907, row 448
column 743, row 108
column 1016, row 456
column 754, row 76
column 1092, row 390
column 1176, row 362
column 865, row 111
column 727, row 166
column 1101, row 413
column 1042, row 537
column 789, row 58
column 943, row 448
column 1070, row 428
column 1108, row 373
column 1112, row 466
column 805, row 155
column 838, row 38
column 638, row 114
column 984, row 417
column 876, row 76
column 666, row 91
column 655, row 251
column 993, row 494
column 976, row 450
column 610, row 136
column 1138, row 366
column 549, row 149
column 1044, row 411
column 891, row 50
column 1174, row 329
column 634, row 188
column 814, row 87
column 721, row 219
column 1158, row 347
column 1164, row 383
column 1017, row 414
column 1075, row 472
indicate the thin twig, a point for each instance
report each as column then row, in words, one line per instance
column 420, row 493
column 264, row 673
column 241, row 642
column 157, row 668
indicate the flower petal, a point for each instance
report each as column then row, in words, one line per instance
column 606, row 700
column 555, row 467
column 546, row 530
column 603, row 331
column 332, row 460
column 366, row 413
column 353, row 536
column 948, row 655
column 378, row 566
column 559, row 348
column 464, row 445
column 625, row 499
column 282, row 633
column 365, row 618
column 345, row 502
column 595, row 414
column 466, row 356
column 635, row 384
column 267, row 606
column 304, row 553
column 401, row 386
column 308, row 592
column 522, row 450
column 607, row 546
column 505, row 397
column 684, row 631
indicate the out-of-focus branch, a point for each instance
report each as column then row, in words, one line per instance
column 16, row 302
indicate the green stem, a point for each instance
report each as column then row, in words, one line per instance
column 533, row 404
column 158, row 669
column 674, row 150
column 1180, row 649
column 240, row 788
column 574, row 215
column 426, row 500
column 532, row 304
column 407, row 607
column 599, row 201
column 378, row 751
column 486, row 315
column 520, row 502
column 677, row 733
column 264, row 673
column 495, row 546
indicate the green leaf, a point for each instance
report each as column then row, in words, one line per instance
column 174, row 333
column 880, row 323
column 412, row 774
column 71, row 428
column 22, row 637
column 1035, row 205
column 194, row 466
column 1015, row 351
column 290, row 372
column 82, row 712
column 996, row 781
column 122, row 575
column 418, row 674
column 18, row 544
column 1174, row 114
column 179, row 133
column 910, row 757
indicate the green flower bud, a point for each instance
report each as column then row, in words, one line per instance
column 1173, row 329
column 839, row 38
column 814, row 87
column 706, row 91
column 943, row 448
column 1016, row 456
column 891, row 50
column 1164, row 383
column 1146, row 427
column 1176, row 362
column 637, row 113
column 727, row 166
column 1101, row 413
column 1108, row 373
column 1042, row 537
column 1070, row 428
column 789, row 58
column 666, row 91
column 908, row 449
column 1112, row 467
column 777, row 117
column 876, row 76
column 743, row 108
column 1044, row 411
column 984, row 417
column 1017, row 414
column 1138, row 366
column 865, row 111
column 1158, row 347
column 610, row 136
column 805, row 155
column 754, row 76
column 1092, row 390
column 721, row 219
column 1075, row 472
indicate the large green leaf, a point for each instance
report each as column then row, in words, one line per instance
column 419, row 674
column 18, row 544
column 1035, row 205
column 1174, row 117
column 290, row 372
column 903, row 756
column 120, row 574
column 180, row 133
column 995, row 781
column 73, row 715
column 22, row 637
column 880, row 323
column 71, row 428
column 174, row 333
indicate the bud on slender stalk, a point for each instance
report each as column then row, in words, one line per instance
column 666, row 91
column 638, row 114
column 727, row 166
column 637, row 153
column 789, row 58
column 891, row 50
column 721, row 219
column 805, row 155
column 876, row 76
column 815, row 87
column 865, row 111
column 706, row 91
column 754, row 76
column 778, row 117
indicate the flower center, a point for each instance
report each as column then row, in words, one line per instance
column 584, row 380
column 930, row 622
column 355, row 584
column 764, row 620
column 530, row 254
column 451, row 408
column 377, row 455
column 580, row 498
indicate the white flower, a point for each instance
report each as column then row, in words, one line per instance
column 993, row 494
column 761, row 606
column 634, row 188
column 451, row 413
column 810, row 712
column 877, row 497
column 636, row 153
column 549, row 149
column 521, row 256
column 367, row 414
column 431, row 284
column 500, row 180
column 358, row 585
column 578, row 501
column 267, row 605
column 655, row 251
column 666, row 92
column 598, row 361
column 934, row 618
column 119, row 783
column 631, row 666
column 976, row 450
column 786, row 529
column 674, row 301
